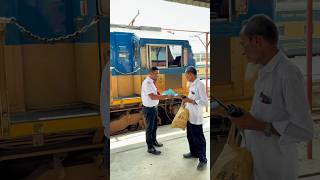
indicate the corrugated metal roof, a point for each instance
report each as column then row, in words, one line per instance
column 147, row 32
column 157, row 33
column 200, row 3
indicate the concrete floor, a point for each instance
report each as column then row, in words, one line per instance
column 130, row 160
column 311, row 178
column 312, row 166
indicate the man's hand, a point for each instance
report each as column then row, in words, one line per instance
column 219, row 111
column 187, row 100
column 180, row 96
column 247, row 121
column 159, row 97
column 169, row 96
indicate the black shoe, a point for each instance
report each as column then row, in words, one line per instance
column 189, row 155
column 201, row 165
column 158, row 144
column 154, row 151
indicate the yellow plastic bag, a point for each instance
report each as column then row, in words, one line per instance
column 181, row 118
column 234, row 162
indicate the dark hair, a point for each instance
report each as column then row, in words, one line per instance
column 192, row 70
column 261, row 25
column 153, row 69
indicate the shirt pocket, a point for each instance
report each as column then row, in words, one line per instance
column 192, row 93
column 271, row 112
column 264, row 110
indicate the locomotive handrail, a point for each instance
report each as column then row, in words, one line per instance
column 74, row 35
column 129, row 73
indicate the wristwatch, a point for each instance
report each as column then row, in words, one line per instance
column 194, row 102
column 268, row 130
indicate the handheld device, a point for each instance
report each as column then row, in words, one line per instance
column 231, row 109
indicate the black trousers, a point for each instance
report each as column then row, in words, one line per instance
column 150, row 115
column 197, row 141
column 106, row 159
column 106, row 153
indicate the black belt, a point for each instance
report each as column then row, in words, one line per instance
column 150, row 107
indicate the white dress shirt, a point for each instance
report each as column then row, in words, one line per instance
column 197, row 92
column 147, row 88
column 280, row 99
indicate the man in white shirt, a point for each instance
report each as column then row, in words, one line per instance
column 196, row 100
column 280, row 115
column 150, row 99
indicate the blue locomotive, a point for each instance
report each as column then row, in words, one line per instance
column 130, row 58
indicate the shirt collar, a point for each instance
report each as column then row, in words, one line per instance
column 272, row 63
column 149, row 79
column 194, row 82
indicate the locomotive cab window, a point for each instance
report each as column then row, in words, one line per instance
column 174, row 55
column 220, row 9
column 228, row 9
column 158, row 56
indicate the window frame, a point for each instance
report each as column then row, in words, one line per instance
column 149, row 54
column 181, row 54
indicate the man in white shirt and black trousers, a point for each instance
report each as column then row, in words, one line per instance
column 196, row 100
column 150, row 99
column 280, row 115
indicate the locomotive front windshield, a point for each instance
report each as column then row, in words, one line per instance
column 174, row 55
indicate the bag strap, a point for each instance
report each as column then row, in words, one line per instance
column 235, row 135
column 231, row 134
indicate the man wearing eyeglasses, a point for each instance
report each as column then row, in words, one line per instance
column 280, row 115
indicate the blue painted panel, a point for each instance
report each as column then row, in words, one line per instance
column 46, row 18
column 144, row 41
column 226, row 28
column 122, row 51
column 52, row 18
